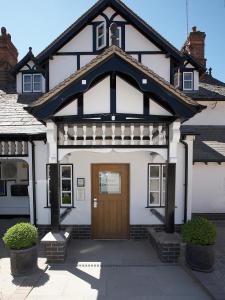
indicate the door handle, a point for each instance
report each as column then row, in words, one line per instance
column 95, row 202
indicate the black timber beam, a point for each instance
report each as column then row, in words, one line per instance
column 54, row 196
column 170, row 199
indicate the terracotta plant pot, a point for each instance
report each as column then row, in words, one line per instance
column 200, row 258
column 23, row 262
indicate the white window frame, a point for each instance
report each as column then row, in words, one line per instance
column 119, row 38
column 161, row 202
column 37, row 74
column 32, row 90
column 71, row 184
column 103, row 24
column 192, row 78
column 30, row 76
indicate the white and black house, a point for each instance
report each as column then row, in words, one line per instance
column 112, row 129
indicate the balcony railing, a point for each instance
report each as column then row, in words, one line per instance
column 114, row 134
column 13, row 148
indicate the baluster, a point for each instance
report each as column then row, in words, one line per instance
column 103, row 134
column 164, row 136
column 94, row 134
column 75, row 134
column 9, row 147
column 141, row 134
column 3, row 147
column 132, row 134
column 66, row 134
column 23, row 147
column 16, row 147
column 122, row 134
column 84, row 134
column 160, row 134
column 151, row 134
column 113, row 134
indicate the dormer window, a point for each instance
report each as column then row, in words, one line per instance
column 101, row 36
column 188, row 81
column 32, row 83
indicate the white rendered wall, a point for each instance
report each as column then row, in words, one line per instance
column 15, row 205
column 19, row 83
column 212, row 115
column 84, row 59
column 156, row 109
column 135, row 41
column 81, row 42
column 128, row 99
column 61, row 67
column 97, row 99
column 158, row 63
column 68, row 110
column 41, row 159
column 196, row 80
column 208, row 188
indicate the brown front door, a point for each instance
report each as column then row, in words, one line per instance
column 110, row 201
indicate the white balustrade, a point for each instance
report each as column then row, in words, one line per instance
column 111, row 134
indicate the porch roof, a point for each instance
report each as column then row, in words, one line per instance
column 109, row 52
column 14, row 120
column 209, row 144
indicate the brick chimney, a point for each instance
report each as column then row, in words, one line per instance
column 195, row 45
column 8, row 59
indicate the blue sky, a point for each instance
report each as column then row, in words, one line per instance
column 36, row 23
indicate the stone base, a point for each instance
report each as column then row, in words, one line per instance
column 55, row 245
column 166, row 244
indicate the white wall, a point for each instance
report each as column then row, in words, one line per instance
column 61, row 67
column 212, row 115
column 68, row 110
column 41, row 159
column 128, row 98
column 97, row 99
column 156, row 109
column 158, row 63
column 208, row 188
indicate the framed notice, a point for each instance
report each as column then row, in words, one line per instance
column 80, row 182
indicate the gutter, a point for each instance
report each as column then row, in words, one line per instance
column 186, row 179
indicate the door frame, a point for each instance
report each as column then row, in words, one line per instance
column 128, row 187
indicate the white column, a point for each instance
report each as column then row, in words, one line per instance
column 174, row 138
column 132, row 134
column 94, row 134
column 75, row 134
column 151, row 134
column 122, row 134
column 141, row 134
column 84, row 134
column 52, row 141
column 103, row 134
column 65, row 134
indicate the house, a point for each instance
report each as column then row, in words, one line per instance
column 111, row 129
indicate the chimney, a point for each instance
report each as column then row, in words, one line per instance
column 8, row 59
column 195, row 45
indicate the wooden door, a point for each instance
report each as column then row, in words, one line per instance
column 110, row 201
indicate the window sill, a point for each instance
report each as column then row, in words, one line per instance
column 62, row 206
column 158, row 206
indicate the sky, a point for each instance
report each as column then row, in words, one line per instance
column 37, row 23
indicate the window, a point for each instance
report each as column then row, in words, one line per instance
column 32, row 83
column 157, row 185
column 109, row 183
column 101, row 36
column 66, row 184
column 119, row 35
column 187, row 81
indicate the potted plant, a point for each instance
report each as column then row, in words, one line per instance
column 200, row 235
column 21, row 239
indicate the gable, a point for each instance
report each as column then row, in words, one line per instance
column 156, row 109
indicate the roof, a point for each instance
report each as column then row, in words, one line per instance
column 113, row 50
column 29, row 56
column 14, row 119
column 126, row 12
column 210, row 88
column 209, row 144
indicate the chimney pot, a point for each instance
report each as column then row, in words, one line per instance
column 194, row 29
column 3, row 31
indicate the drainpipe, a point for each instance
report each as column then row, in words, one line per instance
column 186, row 179
column 34, row 181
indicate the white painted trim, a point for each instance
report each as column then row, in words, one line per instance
column 103, row 24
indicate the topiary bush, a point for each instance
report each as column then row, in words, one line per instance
column 199, row 231
column 21, row 236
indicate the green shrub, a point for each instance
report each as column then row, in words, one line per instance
column 21, row 236
column 199, row 231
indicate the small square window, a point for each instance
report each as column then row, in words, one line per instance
column 188, row 81
column 32, row 83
